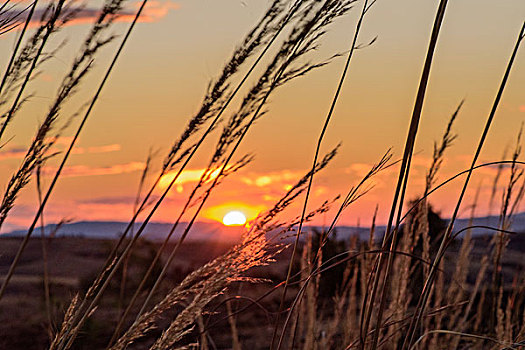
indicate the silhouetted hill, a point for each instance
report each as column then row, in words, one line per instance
column 153, row 231
column 214, row 230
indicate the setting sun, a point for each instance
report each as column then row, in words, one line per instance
column 221, row 211
column 234, row 218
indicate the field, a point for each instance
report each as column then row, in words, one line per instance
column 74, row 261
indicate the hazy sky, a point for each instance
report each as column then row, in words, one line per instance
column 172, row 55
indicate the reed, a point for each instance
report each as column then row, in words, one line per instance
column 422, row 300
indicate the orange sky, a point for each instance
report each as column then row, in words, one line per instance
column 181, row 45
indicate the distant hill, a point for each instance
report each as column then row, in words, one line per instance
column 154, row 231
column 210, row 230
column 518, row 223
column 518, row 226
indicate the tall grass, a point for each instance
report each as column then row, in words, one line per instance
column 394, row 291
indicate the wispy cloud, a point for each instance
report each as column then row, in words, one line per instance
column 284, row 178
column 84, row 170
column 156, row 10
column 127, row 200
column 98, row 149
column 153, row 12
column 186, row 176
column 18, row 152
column 13, row 153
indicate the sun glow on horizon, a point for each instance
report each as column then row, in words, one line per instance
column 218, row 212
column 234, row 218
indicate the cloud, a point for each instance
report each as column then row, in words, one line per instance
column 422, row 160
column 18, row 152
column 97, row 149
column 126, row 200
column 63, row 140
column 283, row 178
column 13, row 153
column 186, row 176
column 156, row 10
column 153, row 12
column 359, row 169
column 84, row 170
column 280, row 180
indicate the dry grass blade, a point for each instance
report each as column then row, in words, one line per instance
column 47, row 294
column 17, row 45
column 401, row 184
column 67, row 318
column 439, row 151
column 354, row 194
column 279, row 71
column 422, row 231
column 37, row 151
column 110, row 8
column 145, row 173
column 201, row 286
column 269, row 25
column 468, row 335
column 423, row 299
column 48, row 29
column 320, row 139
column 236, row 344
column 501, row 239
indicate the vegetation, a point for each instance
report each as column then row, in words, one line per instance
column 420, row 284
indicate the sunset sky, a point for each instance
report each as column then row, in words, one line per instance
column 179, row 46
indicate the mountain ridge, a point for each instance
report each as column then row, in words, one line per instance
column 202, row 230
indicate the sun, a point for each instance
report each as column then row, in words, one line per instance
column 234, row 218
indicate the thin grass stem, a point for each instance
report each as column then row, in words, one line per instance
column 314, row 162
column 424, row 295
column 402, row 182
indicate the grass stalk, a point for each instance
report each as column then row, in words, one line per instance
column 314, row 162
column 236, row 344
column 17, row 45
column 187, row 156
column 70, row 147
column 423, row 298
column 49, row 30
column 401, row 185
column 47, row 294
column 354, row 194
column 296, row 51
column 142, row 180
column 290, row 14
